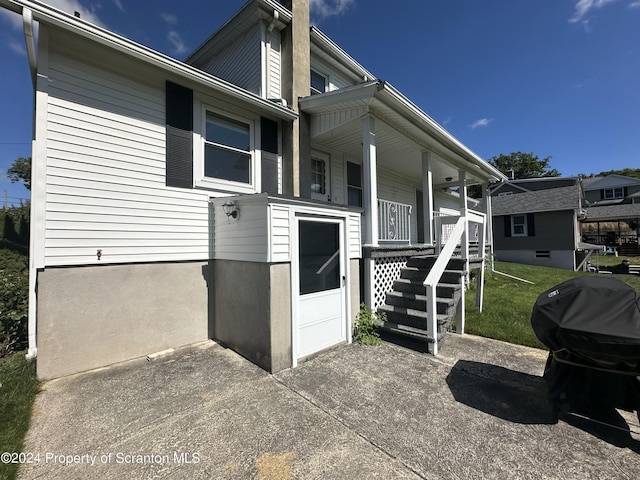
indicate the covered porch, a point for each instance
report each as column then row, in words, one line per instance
column 413, row 178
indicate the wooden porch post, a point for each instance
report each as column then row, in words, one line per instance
column 486, row 193
column 370, row 204
column 427, row 197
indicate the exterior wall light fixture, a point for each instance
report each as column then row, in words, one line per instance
column 230, row 209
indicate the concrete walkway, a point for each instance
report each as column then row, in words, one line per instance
column 478, row 410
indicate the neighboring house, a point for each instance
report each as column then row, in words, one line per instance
column 253, row 194
column 613, row 212
column 537, row 222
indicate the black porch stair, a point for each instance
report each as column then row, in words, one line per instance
column 406, row 305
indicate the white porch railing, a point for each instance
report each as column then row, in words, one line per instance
column 394, row 221
column 460, row 225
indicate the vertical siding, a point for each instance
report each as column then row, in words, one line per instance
column 274, row 66
column 105, row 172
column 240, row 62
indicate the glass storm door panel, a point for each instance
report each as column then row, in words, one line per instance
column 321, row 321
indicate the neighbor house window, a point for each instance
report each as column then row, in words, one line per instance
column 318, row 83
column 611, row 193
column 518, row 226
column 354, row 184
column 227, row 149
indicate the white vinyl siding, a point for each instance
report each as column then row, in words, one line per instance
column 274, row 63
column 105, row 173
column 240, row 63
column 262, row 230
column 398, row 188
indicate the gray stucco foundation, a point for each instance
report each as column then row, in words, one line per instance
column 93, row 316
column 253, row 311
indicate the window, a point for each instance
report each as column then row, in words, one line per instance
column 519, row 225
column 354, row 184
column 227, row 149
column 318, row 83
column 611, row 193
column 318, row 176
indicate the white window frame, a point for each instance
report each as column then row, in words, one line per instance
column 613, row 193
column 326, row 81
column 252, row 121
column 524, row 232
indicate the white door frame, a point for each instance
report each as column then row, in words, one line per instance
column 295, row 280
column 326, row 158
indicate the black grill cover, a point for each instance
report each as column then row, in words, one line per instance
column 592, row 320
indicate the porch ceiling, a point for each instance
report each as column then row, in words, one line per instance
column 401, row 134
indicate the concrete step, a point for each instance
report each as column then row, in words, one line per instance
column 410, row 317
column 426, row 262
column 448, row 276
column 414, row 301
column 443, row 290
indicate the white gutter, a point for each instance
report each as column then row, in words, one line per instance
column 27, row 23
column 51, row 16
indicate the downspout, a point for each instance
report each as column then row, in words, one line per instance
column 27, row 23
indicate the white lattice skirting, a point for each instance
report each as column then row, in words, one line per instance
column 386, row 271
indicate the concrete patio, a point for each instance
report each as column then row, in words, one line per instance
column 478, row 410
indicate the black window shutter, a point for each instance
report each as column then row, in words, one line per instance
column 269, row 147
column 179, row 136
column 531, row 227
column 507, row 226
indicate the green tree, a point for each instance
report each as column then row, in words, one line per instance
column 20, row 171
column 524, row 165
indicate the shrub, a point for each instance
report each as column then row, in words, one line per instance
column 14, row 307
column 366, row 326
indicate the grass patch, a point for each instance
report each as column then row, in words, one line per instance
column 612, row 260
column 17, row 393
column 508, row 303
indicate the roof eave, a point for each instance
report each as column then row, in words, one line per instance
column 51, row 16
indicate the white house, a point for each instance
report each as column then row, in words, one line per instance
column 253, row 194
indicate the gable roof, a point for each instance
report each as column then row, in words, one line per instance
column 611, row 181
column 51, row 16
column 551, row 200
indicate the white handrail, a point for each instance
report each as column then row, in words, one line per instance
column 433, row 278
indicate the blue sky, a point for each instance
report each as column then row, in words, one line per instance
column 558, row 78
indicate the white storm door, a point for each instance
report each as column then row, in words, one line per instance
column 321, row 285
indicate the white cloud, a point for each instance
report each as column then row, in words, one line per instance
column 634, row 5
column 169, row 18
column 482, row 122
column 67, row 6
column 179, row 47
column 118, row 5
column 584, row 7
column 447, row 121
column 17, row 47
column 327, row 8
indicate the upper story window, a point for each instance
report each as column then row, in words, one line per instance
column 611, row 193
column 318, row 83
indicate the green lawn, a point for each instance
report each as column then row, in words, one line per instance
column 18, row 389
column 508, row 303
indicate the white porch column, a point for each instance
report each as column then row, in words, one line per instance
column 370, row 204
column 427, row 197
column 370, row 188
